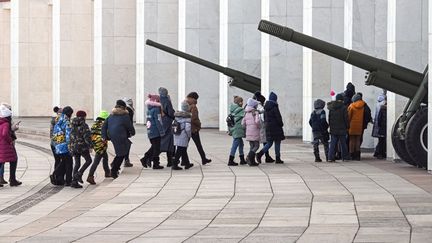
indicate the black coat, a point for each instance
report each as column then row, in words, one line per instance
column 382, row 121
column 273, row 122
column 338, row 118
column 167, row 141
column 118, row 128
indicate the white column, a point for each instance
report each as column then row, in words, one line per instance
column 348, row 37
column 430, row 89
column 307, row 70
column 223, row 60
column 392, row 114
column 97, row 56
column 265, row 50
column 182, row 47
column 5, row 69
column 15, row 55
column 140, row 91
column 56, row 52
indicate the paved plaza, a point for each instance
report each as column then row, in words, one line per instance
column 303, row 201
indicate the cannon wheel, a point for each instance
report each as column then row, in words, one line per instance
column 416, row 137
column 399, row 145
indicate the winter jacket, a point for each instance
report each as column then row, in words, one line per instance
column 382, row 121
column 61, row 135
column 273, row 122
column 319, row 124
column 53, row 121
column 167, row 143
column 260, row 109
column 380, row 103
column 130, row 113
column 7, row 148
column 338, row 118
column 100, row 145
column 367, row 116
column 355, row 117
column 154, row 119
column 252, row 123
column 237, row 131
column 118, row 128
column 184, row 118
column 80, row 137
column 196, row 123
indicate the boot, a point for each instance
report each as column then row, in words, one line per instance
column 12, row 178
column 90, row 179
column 268, row 158
column 78, row 177
column 2, row 180
column 358, row 156
column 176, row 167
column 278, row 160
column 206, row 161
column 188, row 166
column 258, row 156
column 156, row 165
column 145, row 161
column 317, row 155
column 114, row 174
column 242, row 160
column 108, row 174
column 251, row 157
column 128, row 163
column 231, row 161
column 75, row 184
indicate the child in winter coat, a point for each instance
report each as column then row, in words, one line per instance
column 319, row 125
column 154, row 132
column 182, row 136
column 80, row 146
column 263, row 139
column 339, row 125
column 100, row 147
column 252, row 123
column 237, row 131
column 355, row 119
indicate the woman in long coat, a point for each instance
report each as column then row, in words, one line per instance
column 167, row 142
column 118, row 128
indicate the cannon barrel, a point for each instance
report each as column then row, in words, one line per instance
column 238, row 79
column 384, row 74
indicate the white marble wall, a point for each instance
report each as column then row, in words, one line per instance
column 73, row 54
column 430, row 89
column 114, row 52
column 5, row 83
column 31, row 64
column 321, row 73
column 407, row 46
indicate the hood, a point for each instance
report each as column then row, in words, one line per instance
column 234, row 107
column 249, row 109
column 3, row 120
column 350, row 87
column 78, row 121
column 358, row 104
column 270, row 105
column 119, row 111
column 319, row 104
column 149, row 102
column 182, row 114
column 381, row 97
column 252, row 103
column 273, row 97
column 335, row 105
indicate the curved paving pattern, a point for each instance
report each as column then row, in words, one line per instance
column 300, row 201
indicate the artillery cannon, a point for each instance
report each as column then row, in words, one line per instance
column 409, row 133
column 238, row 79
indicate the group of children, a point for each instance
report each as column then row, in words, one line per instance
column 348, row 117
column 259, row 122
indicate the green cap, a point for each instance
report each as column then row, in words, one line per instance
column 103, row 114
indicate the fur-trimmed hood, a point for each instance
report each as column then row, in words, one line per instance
column 119, row 111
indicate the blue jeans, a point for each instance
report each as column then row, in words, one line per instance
column 268, row 146
column 237, row 142
column 335, row 140
column 1, row 169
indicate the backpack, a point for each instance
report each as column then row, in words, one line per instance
column 230, row 120
column 176, row 127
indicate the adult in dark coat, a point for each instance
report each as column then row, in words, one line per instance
column 274, row 128
column 131, row 111
column 118, row 128
column 167, row 140
column 339, row 125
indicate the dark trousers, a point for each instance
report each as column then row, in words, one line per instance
column 197, row 140
column 154, row 151
column 316, row 143
column 12, row 170
column 56, row 157
column 335, row 139
column 381, row 148
column 181, row 153
column 96, row 161
column 116, row 164
column 64, row 169
column 77, row 158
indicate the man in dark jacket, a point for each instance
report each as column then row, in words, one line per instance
column 118, row 128
column 167, row 140
column 339, row 125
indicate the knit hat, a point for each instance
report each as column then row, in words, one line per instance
column 252, row 103
column 121, row 103
column 351, row 87
column 163, row 91
column 184, row 106
column 103, row 114
column 356, row 97
column 258, row 96
column 129, row 102
column 68, row 111
column 193, row 95
column 319, row 104
column 238, row 100
column 57, row 110
column 340, row 96
column 154, row 97
column 5, row 111
column 273, row 97
column 82, row 114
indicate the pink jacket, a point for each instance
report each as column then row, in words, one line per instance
column 251, row 122
column 7, row 148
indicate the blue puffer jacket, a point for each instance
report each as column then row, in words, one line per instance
column 61, row 135
column 154, row 120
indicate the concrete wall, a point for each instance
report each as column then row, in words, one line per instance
column 5, row 83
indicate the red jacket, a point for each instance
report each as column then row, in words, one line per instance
column 7, row 148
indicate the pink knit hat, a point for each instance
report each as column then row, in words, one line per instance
column 154, row 97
